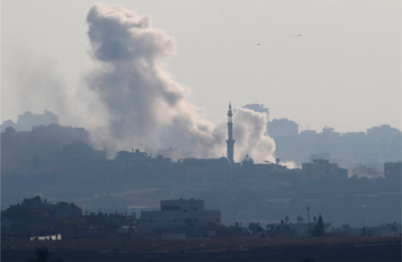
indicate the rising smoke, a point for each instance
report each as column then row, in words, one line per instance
column 146, row 107
column 31, row 82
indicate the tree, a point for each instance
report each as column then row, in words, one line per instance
column 319, row 227
column 364, row 233
column 60, row 223
column 42, row 255
column 393, row 227
column 78, row 224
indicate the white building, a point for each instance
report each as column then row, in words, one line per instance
column 177, row 213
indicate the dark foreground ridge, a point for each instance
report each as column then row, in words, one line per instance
column 322, row 249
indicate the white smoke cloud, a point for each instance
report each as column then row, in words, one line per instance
column 146, row 107
column 249, row 128
column 290, row 164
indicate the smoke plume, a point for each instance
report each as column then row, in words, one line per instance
column 146, row 107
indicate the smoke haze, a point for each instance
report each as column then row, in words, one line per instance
column 37, row 83
column 128, row 99
column 146, row 107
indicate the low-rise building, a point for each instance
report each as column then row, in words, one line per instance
column 178, row 213
column 321, row 168
column 220, row 174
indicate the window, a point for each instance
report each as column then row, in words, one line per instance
column 195, row 209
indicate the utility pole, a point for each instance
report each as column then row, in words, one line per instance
column 308, row 220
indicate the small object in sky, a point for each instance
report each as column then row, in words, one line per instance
column 258, row 44
column 295, row 35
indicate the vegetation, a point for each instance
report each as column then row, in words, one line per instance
column 232, row 249
column 42, row 255
column 319, row 228
column 76, row 224
column 157, row 245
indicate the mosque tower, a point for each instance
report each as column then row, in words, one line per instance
column 230, row 142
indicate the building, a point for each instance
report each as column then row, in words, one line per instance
column 329, row 133
column 382, row 132
column 133, row 158
column 354, row 136
column 324, row 156
column 283, row 128
column 219, row 174
column 179, row 213
column 80, row 150
column 28, row 120
column 37, row 151
column 321, row 168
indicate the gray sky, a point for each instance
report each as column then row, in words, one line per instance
column 343, row 72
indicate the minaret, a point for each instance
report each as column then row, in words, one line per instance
column 230, row 142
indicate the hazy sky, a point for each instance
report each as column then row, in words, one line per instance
column 343, row 72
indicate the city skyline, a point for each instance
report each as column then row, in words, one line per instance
column 242, row 130
column 363, row 64
column 28, row 126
